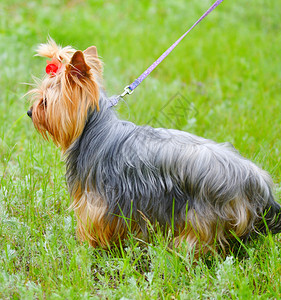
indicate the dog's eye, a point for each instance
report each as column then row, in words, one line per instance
column 44, row 102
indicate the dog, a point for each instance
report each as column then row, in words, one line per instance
column 122, row 176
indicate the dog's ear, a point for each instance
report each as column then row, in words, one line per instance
column 91, row 55
column 77, row 65
column 91, row 51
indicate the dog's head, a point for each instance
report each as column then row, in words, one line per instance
column 62, row 100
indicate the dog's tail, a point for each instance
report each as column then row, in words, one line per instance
column 271, row 220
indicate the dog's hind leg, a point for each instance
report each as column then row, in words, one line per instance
column 215, row 228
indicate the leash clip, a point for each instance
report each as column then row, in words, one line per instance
column 127, row 90
column 114, row 101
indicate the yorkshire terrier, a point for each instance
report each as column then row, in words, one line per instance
column 122, row 176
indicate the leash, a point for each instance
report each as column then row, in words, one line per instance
column 130, row 88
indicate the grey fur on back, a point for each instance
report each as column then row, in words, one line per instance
column 165, row 173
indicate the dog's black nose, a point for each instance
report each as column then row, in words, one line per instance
column 29, row 113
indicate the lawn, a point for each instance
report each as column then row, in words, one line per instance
column 222, row 82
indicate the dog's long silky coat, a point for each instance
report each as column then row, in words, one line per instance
column 120, row 175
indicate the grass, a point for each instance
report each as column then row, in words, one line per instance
column 222, row 82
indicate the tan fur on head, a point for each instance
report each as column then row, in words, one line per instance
column 52, row 50
column 61, row 102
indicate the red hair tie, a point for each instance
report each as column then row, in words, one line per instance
column 53, row 66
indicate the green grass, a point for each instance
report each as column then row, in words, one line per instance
column 228, row 73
